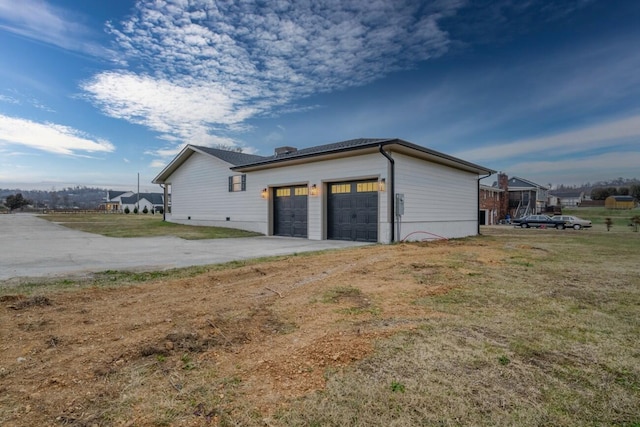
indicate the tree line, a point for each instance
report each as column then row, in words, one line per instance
column 604, row 192
column 66, row 198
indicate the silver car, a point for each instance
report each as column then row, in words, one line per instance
column 573, row 221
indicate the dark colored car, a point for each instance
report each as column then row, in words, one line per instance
column 539, row 221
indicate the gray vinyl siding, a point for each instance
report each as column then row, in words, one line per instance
column 439, row 200
column 322, row 173
column 200, row 196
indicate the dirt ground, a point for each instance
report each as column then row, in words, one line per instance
column 188, row 351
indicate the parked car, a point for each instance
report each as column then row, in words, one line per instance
column 539, row 221
column 573, row 221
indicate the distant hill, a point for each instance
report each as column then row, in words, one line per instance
column 616, row 183
column 71, row 197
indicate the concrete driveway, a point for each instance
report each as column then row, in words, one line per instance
column 34, row 247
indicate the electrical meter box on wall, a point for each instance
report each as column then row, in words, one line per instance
column 399, row 204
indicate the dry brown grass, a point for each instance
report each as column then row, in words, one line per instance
column 517, row 327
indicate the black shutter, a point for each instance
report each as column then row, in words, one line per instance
column 244, row 183
column 230, row 184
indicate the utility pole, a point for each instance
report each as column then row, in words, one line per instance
column 138, row 193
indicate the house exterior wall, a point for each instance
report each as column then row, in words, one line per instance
column 200, row 196
column 490, row 203
column 321, row 173
column 143, row 203
column 439, row 200
column 201, row 183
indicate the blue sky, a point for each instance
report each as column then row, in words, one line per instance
column 95, row 92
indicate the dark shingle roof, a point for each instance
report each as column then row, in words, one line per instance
column 566, row 194
column 232, row 157
column 518, row 182
column 113, row 194
column 153, row 198
column 623, row 198
column 354, row 144
column 242, row 161
column 351, row 144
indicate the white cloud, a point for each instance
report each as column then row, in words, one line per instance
column 49, row 137
column 205, row 68
column 177, row 110
column 622, row 132
column 39, row 20
column 9, row 100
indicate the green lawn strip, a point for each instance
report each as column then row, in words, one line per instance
column 141, row 225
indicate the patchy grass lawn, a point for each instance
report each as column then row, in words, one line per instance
column 512, row 328
column 140, row 225
column 621, row 218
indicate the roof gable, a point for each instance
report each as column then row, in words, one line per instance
column 518, row 182
column 232, row 158
column 115, row 195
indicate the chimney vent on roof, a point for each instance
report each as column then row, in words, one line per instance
column 285, row 150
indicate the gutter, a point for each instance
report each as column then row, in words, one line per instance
column 392, row 179
column 478, row 218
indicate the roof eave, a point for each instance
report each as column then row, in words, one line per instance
column 186, row 152
column 394, row 144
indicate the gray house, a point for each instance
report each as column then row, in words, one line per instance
column 526, row 197
column 374, row 190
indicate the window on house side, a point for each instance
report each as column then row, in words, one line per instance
column 237, row 183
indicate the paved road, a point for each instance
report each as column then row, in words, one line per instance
column 34, row 247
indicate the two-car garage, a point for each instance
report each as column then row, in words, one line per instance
column 349, row 190
column 351, row 211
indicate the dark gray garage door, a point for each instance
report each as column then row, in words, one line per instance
column 290, row 211
column 353, row 211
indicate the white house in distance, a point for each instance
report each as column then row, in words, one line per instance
column 374, row 190
column 113, row 201
column 153, row 202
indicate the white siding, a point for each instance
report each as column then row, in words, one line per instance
column 200, row 196
column 143, row 203
column 439, row 200
column 366, row 166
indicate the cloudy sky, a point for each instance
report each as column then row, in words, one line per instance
column 95, row 92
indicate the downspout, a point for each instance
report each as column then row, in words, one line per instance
column 164, row 202
column 392, row 191
column 478, row 218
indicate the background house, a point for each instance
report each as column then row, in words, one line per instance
column 153, row 202
column 113, row 200
column 491, row 211
column 526, row 197
column 566, row 199
column 376, row 190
